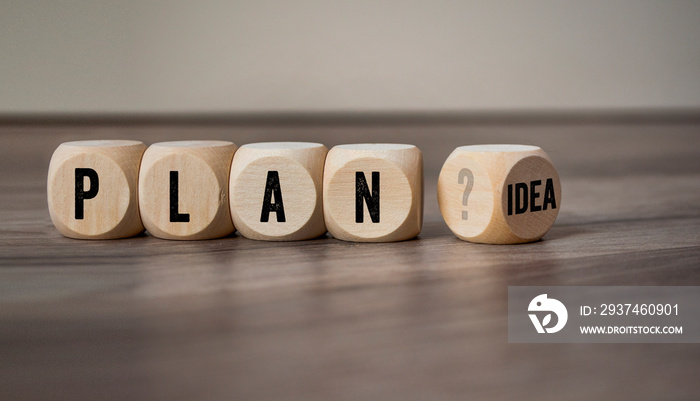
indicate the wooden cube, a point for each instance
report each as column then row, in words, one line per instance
column 183, row 189
column 92, row 189
column 276, row 190
column 499, row 194
column 373, row 192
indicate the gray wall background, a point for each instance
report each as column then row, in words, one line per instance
column 316, row 56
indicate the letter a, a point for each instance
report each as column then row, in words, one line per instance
column 272, row 187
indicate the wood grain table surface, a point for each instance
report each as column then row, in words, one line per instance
column 425, row 319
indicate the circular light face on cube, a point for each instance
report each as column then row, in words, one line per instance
column 183, row 204
column 95, row 178
column 531, row 195
column 384, row 206
column 274, row 195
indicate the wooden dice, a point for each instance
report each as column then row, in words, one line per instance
column 276, row 190
column 183, row 189
column 92, row 189
column 499, row 194
column 373, row 192
column 284, row 191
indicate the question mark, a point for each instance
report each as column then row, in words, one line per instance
column 465, row 172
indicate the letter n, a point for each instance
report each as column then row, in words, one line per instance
column 363, row 195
